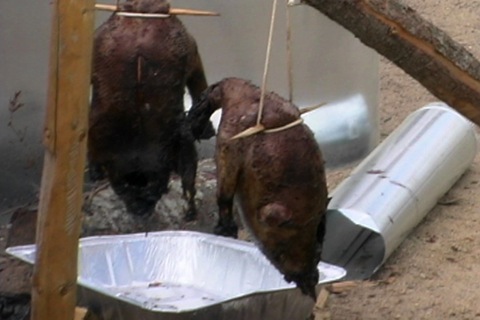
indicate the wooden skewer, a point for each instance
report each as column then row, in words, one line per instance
column 260, row 128
column 173, row 11
column 312, row 108
column 285, row 127
column 249, row 132
column 142, row 15
column 106, row 7
column 192, row 12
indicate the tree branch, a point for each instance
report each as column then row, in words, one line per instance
column 422, row 50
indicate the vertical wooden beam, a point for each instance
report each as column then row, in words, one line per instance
column 58, row 227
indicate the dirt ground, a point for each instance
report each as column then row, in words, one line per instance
column 434, row 273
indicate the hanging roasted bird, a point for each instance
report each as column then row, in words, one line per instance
column 138, row 134
column 276, row 178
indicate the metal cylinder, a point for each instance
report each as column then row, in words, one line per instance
column 392, row 190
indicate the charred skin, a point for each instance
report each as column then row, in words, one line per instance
column 138, row 134
column 277, row 179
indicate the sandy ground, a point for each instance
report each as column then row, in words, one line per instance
column 434, row 273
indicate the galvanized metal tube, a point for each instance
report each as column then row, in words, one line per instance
column 392, row 190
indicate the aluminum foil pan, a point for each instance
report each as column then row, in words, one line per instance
column 391, row 191
column 183, row 275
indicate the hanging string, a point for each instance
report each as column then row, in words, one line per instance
column 267, row 62
column 289, row 55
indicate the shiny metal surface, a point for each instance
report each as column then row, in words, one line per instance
column 184, row 275
column 391, row 191
column 330, row 65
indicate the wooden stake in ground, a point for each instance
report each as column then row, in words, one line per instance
column 59, row 222
column 422, row 50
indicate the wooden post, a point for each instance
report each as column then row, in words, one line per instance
column 59, row 222
column 421, row 49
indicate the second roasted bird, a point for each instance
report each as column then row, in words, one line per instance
column 138, row 134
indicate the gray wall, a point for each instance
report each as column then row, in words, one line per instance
column 24, row 42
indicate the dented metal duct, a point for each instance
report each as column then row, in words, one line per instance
column 391, row 191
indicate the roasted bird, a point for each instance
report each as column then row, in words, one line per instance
column 137, row 133
column 277, row 179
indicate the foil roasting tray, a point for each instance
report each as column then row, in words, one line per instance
column 183, row 275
